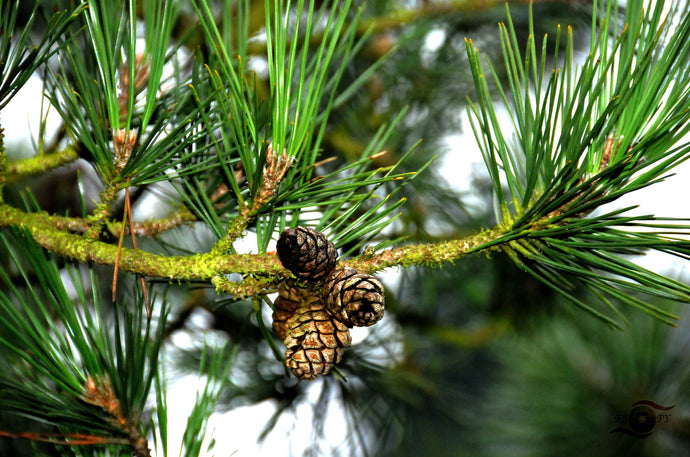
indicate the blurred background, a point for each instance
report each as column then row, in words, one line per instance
column 476, row 358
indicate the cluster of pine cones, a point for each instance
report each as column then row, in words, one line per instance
column 313, row 316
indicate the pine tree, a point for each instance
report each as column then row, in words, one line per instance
column 279, row 142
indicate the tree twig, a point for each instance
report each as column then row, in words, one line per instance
column 277, row 164
column 150, row 227
column 100, row 215
column 248, row 287
column 207, row 266
column 32, row 166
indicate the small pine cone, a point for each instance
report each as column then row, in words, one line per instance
column 306, row 253
column 290, row 297
column 354, row 297
column 315, row 340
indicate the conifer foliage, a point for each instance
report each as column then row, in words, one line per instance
column 268, row 135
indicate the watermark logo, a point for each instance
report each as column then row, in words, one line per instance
column 643, row 417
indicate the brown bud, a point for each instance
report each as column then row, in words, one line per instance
column 123, row 143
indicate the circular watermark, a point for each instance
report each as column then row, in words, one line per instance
column 642, row 419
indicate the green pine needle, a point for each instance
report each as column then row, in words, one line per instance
column 304, row 89
column 582, row 138
column 19, row 59
column 46, row 366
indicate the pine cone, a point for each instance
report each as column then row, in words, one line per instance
column 315, row 340
column 290, row 297
column 354, row 297
column 306, row 253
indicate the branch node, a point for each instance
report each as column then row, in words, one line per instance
column 99, row 392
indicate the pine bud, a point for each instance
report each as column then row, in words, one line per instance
column 354, row 297
column 306, row 253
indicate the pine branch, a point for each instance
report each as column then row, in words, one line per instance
column 276, row 165
column 16, row 169
column 91, row 374
column 544, row 210
column 208, row 266
column 97, row 220
column 211, row 267
column 151, row 228
column 582, row 140
column 81, row 249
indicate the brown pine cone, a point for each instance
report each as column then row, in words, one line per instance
column 290, row 297
column 354, row 297
column 306, row 253
column 315, row 340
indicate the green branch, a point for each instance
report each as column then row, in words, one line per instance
column 431, row 254
column 248, row 287
column 547, row 184
column 151, row 227
column 33, row 166
column 182, row 268
column 276, row 165
column 100, row 215
column 209, row 266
